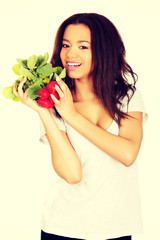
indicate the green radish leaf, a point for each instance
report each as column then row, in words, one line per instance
column 17, row 85
column 38, row 73
column 22, row 62
column 44, row 60
column 50, row 77
column 39, row 61
column 34, row 89
column 26, row 85
column 63, row 73
column 31, row 62
column 57, row 70
column 46, row 70
column 46, row 80
column 20, row 78
column 27, row 73
column 46, row 56
column 55, row 75
column 16, row 69
column 16, row 99
column 8, row 92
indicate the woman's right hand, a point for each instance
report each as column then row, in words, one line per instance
column 23, row 96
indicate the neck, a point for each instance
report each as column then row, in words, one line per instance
column 83, row 90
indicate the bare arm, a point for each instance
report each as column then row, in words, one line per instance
column 65, row 160
column 124, row 147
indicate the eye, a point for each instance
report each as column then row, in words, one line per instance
column 83, row 47
column 64, row 45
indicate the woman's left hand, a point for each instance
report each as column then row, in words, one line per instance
column 64, row 105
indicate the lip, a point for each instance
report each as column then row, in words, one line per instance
column 72, row 66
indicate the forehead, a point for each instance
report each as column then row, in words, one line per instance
column 77, row 32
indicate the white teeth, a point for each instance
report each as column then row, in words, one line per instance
column 74, row 64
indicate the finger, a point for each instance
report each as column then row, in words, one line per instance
column 59, row 91
column 20, row 87
column 61, row 83
column 26, row 93
column 22, row 82
column 55, row 100
column 14, row 89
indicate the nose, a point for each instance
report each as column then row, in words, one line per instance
column 72, row 52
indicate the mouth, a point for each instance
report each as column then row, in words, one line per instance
column 73, row 65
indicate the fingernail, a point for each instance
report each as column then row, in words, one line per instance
column 58, row 79
column 56, row 86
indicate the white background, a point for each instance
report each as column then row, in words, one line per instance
column 29, row 27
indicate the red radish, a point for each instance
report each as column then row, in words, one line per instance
column 43, row 93
column 45, row 103
column 56, row 95
column 51, row 86
column 50, row 99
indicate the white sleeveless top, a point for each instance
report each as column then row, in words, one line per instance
column 106, row 203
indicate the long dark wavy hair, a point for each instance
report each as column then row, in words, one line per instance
column 110, row 68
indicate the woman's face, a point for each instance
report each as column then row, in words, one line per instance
column 76, row 54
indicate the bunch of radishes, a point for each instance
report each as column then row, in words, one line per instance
column 44, row 100
column 41, row 79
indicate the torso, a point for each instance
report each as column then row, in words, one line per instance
column 95, row 113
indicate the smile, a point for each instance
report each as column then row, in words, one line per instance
column 73, row 65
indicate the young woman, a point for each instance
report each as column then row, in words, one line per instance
column 94, row 132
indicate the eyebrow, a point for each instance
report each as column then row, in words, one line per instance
column 80, row 41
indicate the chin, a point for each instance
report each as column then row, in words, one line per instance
column 73, row 75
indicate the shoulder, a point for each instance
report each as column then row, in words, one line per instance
column 134, row 98
column 135, row 104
